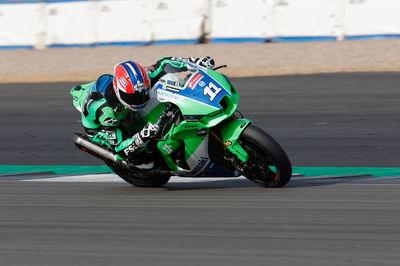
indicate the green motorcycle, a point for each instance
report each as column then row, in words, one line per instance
column 200, row 135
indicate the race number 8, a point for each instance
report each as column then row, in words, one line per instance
column 211, row 90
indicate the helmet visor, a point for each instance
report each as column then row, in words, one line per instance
column 137, row 98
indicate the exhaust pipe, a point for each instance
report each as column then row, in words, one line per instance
column 82, row 143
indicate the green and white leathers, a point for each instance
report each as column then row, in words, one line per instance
column 102, row 114
column 199, row 135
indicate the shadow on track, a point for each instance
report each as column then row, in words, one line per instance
column 241, row 183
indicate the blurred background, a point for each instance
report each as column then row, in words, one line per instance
column 63, row 23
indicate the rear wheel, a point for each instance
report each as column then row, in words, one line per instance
column 268, row 165
column 139, row 180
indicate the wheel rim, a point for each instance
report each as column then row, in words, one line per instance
column 260, row 167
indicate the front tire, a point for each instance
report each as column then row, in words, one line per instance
column 268, row 165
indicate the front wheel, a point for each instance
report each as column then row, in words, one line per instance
column 268, row 165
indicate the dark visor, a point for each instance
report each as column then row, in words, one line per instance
column 137, row 98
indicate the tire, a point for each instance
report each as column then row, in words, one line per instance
column 138, row 180
column 268, row 165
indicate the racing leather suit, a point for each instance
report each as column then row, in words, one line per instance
column 102, row 113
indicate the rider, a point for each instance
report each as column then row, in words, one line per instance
column 104, row 103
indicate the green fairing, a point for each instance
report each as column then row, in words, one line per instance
column 191, row 107
column 185, row 133
column 192, row 142
column 232, row 101
column 182, row 134
column 230, row 133
column 166, row 147
column 177, row 136
column 219, row 78
column 232, row 129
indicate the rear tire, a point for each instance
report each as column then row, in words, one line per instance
column 268, row 165
column 139, row 180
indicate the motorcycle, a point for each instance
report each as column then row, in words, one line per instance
column 201, row 135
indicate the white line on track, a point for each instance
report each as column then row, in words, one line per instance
column 112, row 178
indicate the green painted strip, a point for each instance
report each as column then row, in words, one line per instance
column 326, row 171
column 56, row 169
column 306, row 171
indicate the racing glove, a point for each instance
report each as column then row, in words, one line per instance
column 207, row 61
column 131, row 145
column 149, row 131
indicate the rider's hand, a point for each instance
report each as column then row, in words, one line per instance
column 207, row 62
column 149, row 131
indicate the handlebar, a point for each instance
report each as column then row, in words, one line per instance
column 218, row 67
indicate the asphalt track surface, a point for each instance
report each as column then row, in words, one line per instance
column 320, row 120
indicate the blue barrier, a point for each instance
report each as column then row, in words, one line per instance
column 304, row 39
column 238, row 40
column 15, row 47
column 40, row 1
column 372, row 36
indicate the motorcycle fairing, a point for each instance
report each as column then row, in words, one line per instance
column 194, row 100
column 200, row 90
column 230, row 134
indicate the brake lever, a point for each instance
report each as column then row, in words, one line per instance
column 167, row 114
column 165, row 119
column 218, row 67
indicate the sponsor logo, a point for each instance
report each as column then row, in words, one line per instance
column 239, row 152
column 228, row 143
column 200, row 165
column 202, row 83
column 193, row 82
column 172, row 88
column 110, row 121
column 191, row 125
column 122, row 81
column 130, row 150
column 139, row 87
column 167, row 148
column 171, row 82
column 168, row 94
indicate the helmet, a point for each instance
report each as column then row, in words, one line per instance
column 131, row 85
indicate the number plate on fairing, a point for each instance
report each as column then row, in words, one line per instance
column 199, row 87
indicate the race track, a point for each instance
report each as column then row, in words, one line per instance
column 321, row 120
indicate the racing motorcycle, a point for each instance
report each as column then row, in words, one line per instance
column 201, row 135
